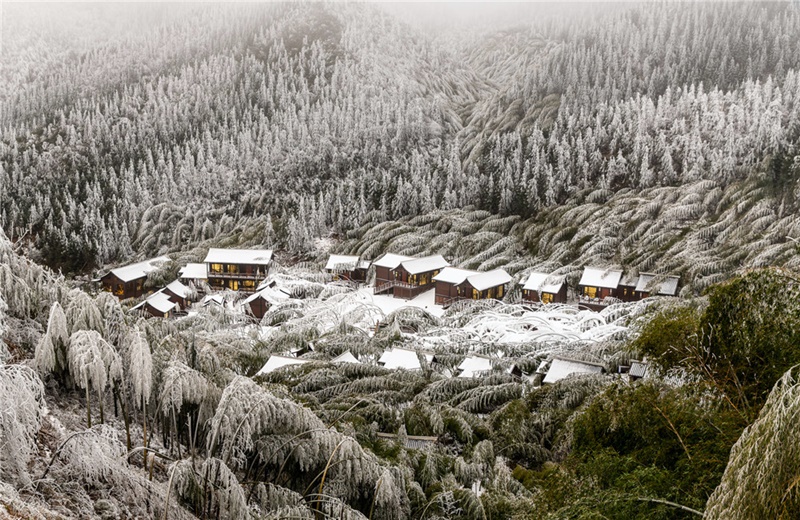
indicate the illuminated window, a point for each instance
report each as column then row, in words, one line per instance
column 120, row 289
column 500, row 289
column 139, row 285
column 232, row 268
column 248, row 283
column 233, row 285
column 216, row 268
column 590, row 292
column 547, row 297
column 476, row 295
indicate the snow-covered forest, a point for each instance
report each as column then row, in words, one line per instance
column 656, row 137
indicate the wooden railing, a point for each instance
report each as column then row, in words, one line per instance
column 383, row 287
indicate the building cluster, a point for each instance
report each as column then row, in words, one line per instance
column 599, row 287
column 401, row 276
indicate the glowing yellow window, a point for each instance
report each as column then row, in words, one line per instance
column 500, row 289
column 547, row 297
column 590, row 292
column 476, row 295
column 233, row 268
column 234, row 285
column 216, row 268
column 120, row 289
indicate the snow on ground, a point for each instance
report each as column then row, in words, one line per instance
column 389, row 304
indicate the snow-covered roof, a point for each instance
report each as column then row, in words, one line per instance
column 345, row 357
column 139, row 270
column 239, row 256
column 194, row 272
column 562, row 367
column 160, row 302
column 474, row 365
column 425, row 264
column 453, row 275
column 276, row 362
column 667, row 287
column 267, row 294
column 489, row 279
column 600, row 277
column 629, row 280
column 391, row 260
column 178, row 289
column 536, row 282
column 216, row 299
column 343, row 263
column 400, row 358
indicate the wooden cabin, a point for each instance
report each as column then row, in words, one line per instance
column 128, row 282
column 177, row 293
column 385, row 271
column 257, row 304
column 158, row 305
column 416, row 276
column 193, row 273
column 237, row 269
column 449, row 285
column 454, row 284
column 406, row 277
column 627, row 288
column 350, row 268
column 537, row 289
column 596, row 285
column 650, row 284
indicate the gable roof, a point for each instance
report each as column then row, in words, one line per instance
column 453, row 275
column 667, row 287
column 473, row 365
column 276, row 362
column 345, row 357
column 159, row 301
column 267, row 294
column 400, row 358
column 139, row 270
column 536, row 282
column 178, row 289
column 194, row 272
column 239, row 256
column 425, row 264
column 342, row 262
column 563, row 367
column 601, row 277
column 391, row 260
column 487, row 280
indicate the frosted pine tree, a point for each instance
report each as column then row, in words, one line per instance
column 22, row 398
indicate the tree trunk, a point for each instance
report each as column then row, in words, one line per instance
column 144, row 434
column 88, row 409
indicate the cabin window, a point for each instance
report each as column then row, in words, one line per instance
column 500, row 289
column 248, row 283
column 217, row 282
column 476, row 295
column 120, row 289
column 139, row 285
column 425, row 279
column 232, row 268
column 216, row 268
column 590, row 292
column 547, row 297
column 233, row 285
column 624, row 291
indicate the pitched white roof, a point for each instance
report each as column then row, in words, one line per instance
column 667, row 287
column 473, row 365
column 425, row 264
column 139, row 270
column 391, row 260
column 345, row 357
column 179, row 289
column 267, row 294
column 160, row 302
column 276, row 362
column 400, row 358
column 483, row 281
column 194, row 272
column 216, row 299
column 536, row 282
column 342, row 262
column 600, row 277
column 453, row 275
column 561, row 368
column 239, row 256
